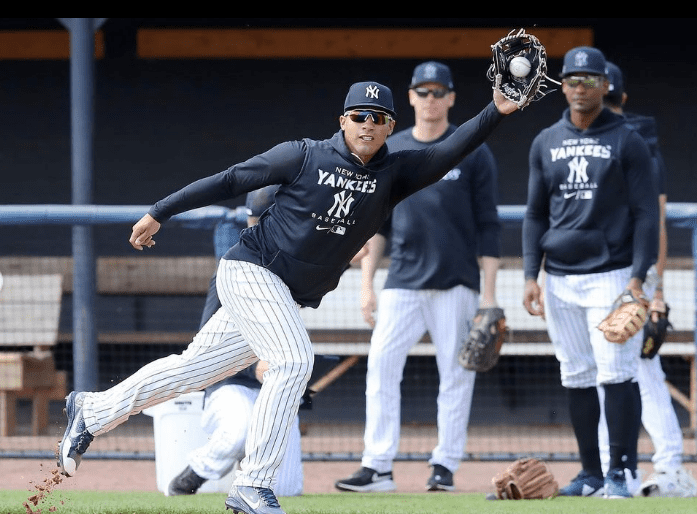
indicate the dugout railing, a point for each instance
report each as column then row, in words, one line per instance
column 517, row 407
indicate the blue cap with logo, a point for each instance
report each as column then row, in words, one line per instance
column 432, row 71
column 370, row 95
column 614, row 77
column 584, row 59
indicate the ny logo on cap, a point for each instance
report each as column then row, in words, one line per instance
column 430, row 71
column 372, row 91
column 581, row 59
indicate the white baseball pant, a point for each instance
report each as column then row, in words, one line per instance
column 226, row 417
column 574, row 307
column 404, row 316
column 259, row 320
column 657, row 412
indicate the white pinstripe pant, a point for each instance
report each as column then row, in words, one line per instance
column 404, row 316
column 574, row 307
column 259, row 320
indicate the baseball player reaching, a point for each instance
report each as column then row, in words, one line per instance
column 658, row 416
column 592, row 215
column 432, row 285
column 335, row 194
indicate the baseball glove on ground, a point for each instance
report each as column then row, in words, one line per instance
column 525, row 479
column 627, row 317
column 480, row 351
column 655, row 331
column 515, row 86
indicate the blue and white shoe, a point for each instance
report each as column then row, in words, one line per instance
column 252, row 500
column 76, row 439
column 616, row 484
column 584, row 484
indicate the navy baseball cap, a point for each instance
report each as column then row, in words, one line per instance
column 614, row 76
column 370, row 95
column 432, row 71
column 584, row 59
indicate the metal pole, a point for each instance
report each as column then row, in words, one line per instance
column 85, row 350
column 693, row 366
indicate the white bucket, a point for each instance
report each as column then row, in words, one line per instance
column 177, row 430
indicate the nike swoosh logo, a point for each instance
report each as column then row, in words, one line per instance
column 569, row 195
column 587, row 490
column 254, row 505
column 317, row 227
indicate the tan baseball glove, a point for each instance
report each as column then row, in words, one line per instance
column 627, row 317
column 525, row 479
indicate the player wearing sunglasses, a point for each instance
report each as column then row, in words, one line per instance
column 592, row 220
column 334, row 195
column 433, row 284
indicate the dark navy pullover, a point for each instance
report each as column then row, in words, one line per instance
column 592, row 200
column 329, row 203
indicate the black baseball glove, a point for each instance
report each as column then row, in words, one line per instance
column 655, row 331
column 519, row 87
column 480, row 351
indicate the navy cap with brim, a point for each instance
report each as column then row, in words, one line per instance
column 432, row 71
column 370, row 95
column 584, row 59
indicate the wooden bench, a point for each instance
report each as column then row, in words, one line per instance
column 29, row 317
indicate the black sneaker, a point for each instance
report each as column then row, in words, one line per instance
column 186, row 482
column 441, row 479
column 367, row 480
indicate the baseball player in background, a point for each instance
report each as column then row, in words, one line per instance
column 432, row 286
column 335, row 194
column 658, row 414
column 228, row 404
column 592, row 216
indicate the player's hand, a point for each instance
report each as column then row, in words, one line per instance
column 504, row 105
column 532, row 299
column 143, row 231
column 368, row 305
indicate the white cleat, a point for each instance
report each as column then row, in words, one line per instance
column 76, row 439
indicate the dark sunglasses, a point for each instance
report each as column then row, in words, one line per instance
column 379, row 118
column 590, row 82
column 437, row 92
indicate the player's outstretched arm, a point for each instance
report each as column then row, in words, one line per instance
column 143, row 231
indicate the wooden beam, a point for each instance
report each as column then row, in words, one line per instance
column 126, row 275
column 41, row 45
column 371, row 43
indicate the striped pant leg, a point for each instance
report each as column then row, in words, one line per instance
column 218, row 350
column 399, row 326
column 269, row 319
column 568, row 330
column 449, row 315
column 291, row 475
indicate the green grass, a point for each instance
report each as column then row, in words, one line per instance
column 81, row 502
